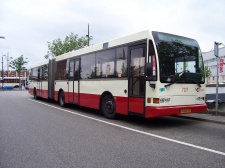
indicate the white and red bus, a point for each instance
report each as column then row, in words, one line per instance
column 10, row 83
column 149, row 74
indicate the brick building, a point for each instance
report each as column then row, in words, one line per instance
column 13, row 73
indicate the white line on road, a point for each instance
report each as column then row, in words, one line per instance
column 135, row 130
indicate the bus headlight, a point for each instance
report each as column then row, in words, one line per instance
column 200, row 99
column 164, row 100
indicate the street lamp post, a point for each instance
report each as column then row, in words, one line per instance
column 88, row 35
column 2, row 65
column 2, row 72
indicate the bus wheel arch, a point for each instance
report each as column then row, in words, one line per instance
column 108, row 106
column 61, row 98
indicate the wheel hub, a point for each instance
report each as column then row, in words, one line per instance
column 109, row 107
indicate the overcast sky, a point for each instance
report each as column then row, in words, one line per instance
column 28, row 25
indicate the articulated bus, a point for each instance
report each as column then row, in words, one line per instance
column 149, row 74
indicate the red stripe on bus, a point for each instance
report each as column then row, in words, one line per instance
column 56, row 96
column 44, row 94
column 89, row 100
column 136, row 105
column 31, row 91
column 121, row 105
column 93, row 101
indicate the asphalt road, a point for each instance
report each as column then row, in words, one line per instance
column 39, row 134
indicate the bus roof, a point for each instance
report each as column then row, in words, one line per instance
column 39, row 64
column 100, row 46
column 108, row 44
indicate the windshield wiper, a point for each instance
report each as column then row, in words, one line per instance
column 172, row 83
column 171, row 80
column 169, row 84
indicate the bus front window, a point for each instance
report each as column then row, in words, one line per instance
column 180, row 59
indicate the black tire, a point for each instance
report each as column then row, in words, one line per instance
column 35, row 94
column 62, row 99
column 108, row 107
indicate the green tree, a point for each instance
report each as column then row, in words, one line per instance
column 70, row 43
column 18, row 65
column 207, row 72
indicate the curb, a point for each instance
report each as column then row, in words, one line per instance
column 203, row 119
column 213, row 112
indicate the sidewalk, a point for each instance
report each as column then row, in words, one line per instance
column 209, row 116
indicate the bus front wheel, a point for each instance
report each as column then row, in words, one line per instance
column 108, row 107
column 62, row 99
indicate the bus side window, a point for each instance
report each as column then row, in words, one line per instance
column 105, row 64
column 88, row 68
column 121, row 61
column 61, row 70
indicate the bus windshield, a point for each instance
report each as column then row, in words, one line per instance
column 180, row 59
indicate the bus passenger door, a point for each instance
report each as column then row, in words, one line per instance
column 136, row 79
column 39, row 83
column 74, row 76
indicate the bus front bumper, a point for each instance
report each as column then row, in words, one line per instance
column 155, row 111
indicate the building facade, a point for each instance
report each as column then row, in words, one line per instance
column 14, row 74
column 210, row 61
column 12, row 79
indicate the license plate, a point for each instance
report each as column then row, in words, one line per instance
column 182, row 111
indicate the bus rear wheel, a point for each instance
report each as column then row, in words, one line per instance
column 62, row 99
column 35, row 94
column 108, row 107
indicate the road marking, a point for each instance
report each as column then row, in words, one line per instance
column 135, row 130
